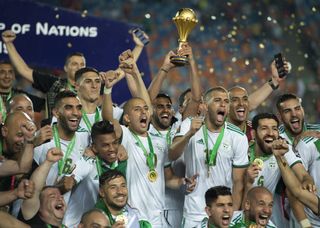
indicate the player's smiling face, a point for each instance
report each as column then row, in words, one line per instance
column 163, row 112
column 261, row 209
column 265, row 134
column 218, row 108
column 239, row 105
column 106, row 146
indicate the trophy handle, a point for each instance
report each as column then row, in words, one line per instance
column 180, row 60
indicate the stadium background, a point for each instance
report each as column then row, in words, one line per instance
column 233, row 43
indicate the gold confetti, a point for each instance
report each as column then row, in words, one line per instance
column 57, row 16
column 69, row 45
column 84, row 13
column 211, row 70
column 306, row 55
column 201, row 28
column 250, row 80
column 269, row 18
column 259, row 13
column 213, row 17
column 261, row 45
column 229, row 3
column 234, row 59
column 229, row 69
column 302, row 23
column 314, row 9
column 300, row 68
column 247, row 62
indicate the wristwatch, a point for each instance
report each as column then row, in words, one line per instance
column 270, row 82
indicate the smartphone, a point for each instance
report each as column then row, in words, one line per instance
column 140, row 34
column 280, row 65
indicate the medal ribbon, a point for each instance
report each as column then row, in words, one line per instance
column 168, row 136
column 151, row 156
column 253, row 156
column 86, row 119
column 211, row 156
column 56, row 138
column 2, row 106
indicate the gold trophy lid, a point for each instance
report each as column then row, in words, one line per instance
column 186, row 14
column 185, row 21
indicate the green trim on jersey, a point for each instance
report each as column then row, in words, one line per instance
column 81, row 129
column 240, row 166
column 313, row 127
column 317, row 144
column 307, row 139
column 234, row 128
column 295, row 163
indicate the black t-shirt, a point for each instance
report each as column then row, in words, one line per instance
column 35, row 222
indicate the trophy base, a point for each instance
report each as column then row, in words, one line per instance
column 179, row 60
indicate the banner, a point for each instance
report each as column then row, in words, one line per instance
column 47, row 34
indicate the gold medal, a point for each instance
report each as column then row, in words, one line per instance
column 259, row 162
column 122, row 218
column 152, row 175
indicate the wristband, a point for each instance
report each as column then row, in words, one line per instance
column 305, row 223
column 164, row 70
column 270, row 82
column 107, row 90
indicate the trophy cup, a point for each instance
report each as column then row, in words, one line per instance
column 185, row 21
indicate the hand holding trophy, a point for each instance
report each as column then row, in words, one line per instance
column 185, row 21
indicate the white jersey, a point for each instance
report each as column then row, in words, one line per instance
column 270, row 174
column 239, row 218
column 231, row 153
column 309, row 151
column 85, row 194
column 173, row 198
column 146, row 196
column 307, row 127
column 40, row 153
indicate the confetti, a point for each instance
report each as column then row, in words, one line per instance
column 147, row 15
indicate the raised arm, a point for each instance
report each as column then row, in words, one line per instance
column 139, row 45
column 279, row 148
column 157, row 81
column 196, row 89
column 262, row 93
column 31, row 206
column 23, row 69
column 128, row 65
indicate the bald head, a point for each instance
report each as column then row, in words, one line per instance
column 254, row 192
column 94, row 218
column 21, row 102
column 130, row 104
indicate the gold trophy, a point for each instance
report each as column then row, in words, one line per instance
column 185, row 21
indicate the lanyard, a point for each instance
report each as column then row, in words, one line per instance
column 168, row 136
column 253, row 156
column 61, row 163
column 2, row 106
column 86, row 119
column 151, row 157
column 211, row 156
column 99, row 166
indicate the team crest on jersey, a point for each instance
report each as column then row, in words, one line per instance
column 225, row 146
column 200, row 141
column 272, row 164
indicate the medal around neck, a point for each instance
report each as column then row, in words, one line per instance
column 152, row 175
